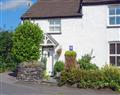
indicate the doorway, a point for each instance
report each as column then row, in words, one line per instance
column 48, row 52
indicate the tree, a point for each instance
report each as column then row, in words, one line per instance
column 5, row 46
column 26, row 42
column 7, row 61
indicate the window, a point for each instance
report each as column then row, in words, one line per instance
column 114, row 15
column 55, row 26
column 115, row 53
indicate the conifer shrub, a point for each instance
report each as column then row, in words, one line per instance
column 70, row 59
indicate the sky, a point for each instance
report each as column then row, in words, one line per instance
column 11, row 11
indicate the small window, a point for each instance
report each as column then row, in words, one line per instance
column 55, row 26
column 115, row 53
column 112, row 48
column 114, row 15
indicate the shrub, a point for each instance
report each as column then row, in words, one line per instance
column 70, row 59
column 112, row 76
column 70, row 53
column 26, row 42
column 2, row 67
column 85, row 63
column 59, row 66
column 69, row 77
column 82, row 78
column 111, row 73
column 5, row 46
column 45, row 75
column 92, row 79
column 87, row 66
column 7, row 61
column 108, row 76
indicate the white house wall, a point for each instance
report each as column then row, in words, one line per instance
column 85, row 34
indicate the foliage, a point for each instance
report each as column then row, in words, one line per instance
column 112, row 76
column 32, row 64
column 70, row 53
column 5, row 46
column 59, row 66
column 2, row 67
column 7, row 61
column 59, row 51
column 108, row 76
column 69, row 77
column 85, row 62
column 45, row 75
column 70, row 59
column 92, row 79
column 26, row 42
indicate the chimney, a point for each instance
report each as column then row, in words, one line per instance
column 29, row 3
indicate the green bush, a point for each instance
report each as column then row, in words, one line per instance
column 70, row 59
column 2, row 67
column 26, row 42
column 70, row 53
column 59, row 66
column 85, row 63
column 69, row 77
column 112, row 76
column 92, row 79
column 7, row 61
column 107, row 77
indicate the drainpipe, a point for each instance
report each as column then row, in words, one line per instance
column 80, row 6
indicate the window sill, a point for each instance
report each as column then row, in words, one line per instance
column 54, row 33
column 112, row 26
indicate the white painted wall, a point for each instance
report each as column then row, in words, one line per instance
column 87, row 33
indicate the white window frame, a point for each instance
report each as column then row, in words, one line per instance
column 108, row 15
column 54, row 25
column 114, row 55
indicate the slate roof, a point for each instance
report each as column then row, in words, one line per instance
column 61, row 8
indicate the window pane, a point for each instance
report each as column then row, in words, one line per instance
column 118, row 20
column 57, row 28
column 57, row 22
column 51, row 28
column 112, row 48
column 112, row 60
column 118, row 60
column 118, row 48
column 112, row 20
column 118, row 11
column 51, row 22
column 112, row 11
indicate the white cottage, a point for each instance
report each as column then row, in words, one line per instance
column 81, row 25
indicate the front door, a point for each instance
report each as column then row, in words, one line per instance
column 48, row 52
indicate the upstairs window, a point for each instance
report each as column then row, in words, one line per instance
column 114, row 15
column 115, row 53
column 55, row 26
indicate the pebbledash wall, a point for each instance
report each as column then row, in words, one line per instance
column 88, row 33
